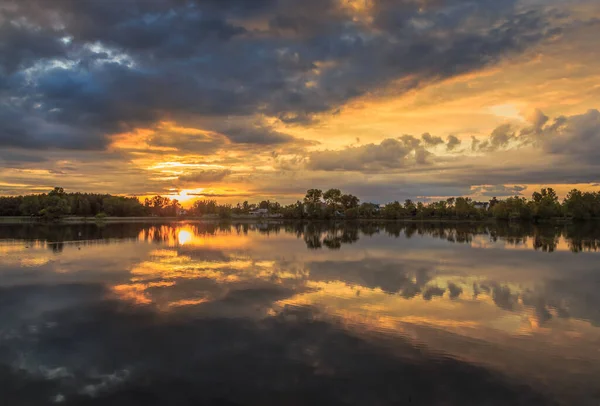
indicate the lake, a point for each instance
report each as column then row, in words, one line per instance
column 299, row 314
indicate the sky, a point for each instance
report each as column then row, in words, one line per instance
column 263, row 99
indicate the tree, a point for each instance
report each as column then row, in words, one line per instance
column 202, row 207
column 57, row 191
column 393, row 210
column 368, row 210
column 173, row 208
column 351, row 213
column 55, row 207
column 30, row 205
column 580, row 206
column 158, row 204
column 545, row 204
column 349, row 201
column 464, row 207
column 82, row 206
column 313, row 196
column 312, row 201
column 410, row 207
column 333, row 197
column 225, row 211
column 512, row 208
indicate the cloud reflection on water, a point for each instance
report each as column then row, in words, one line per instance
column 526, row 314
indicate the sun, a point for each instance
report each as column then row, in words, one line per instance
column 183, row 195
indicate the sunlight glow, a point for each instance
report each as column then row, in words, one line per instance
column 184, row 237
column 507, row 110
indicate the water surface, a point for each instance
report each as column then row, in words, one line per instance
column 299, row 314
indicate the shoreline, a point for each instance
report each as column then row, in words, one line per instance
column 250, row 219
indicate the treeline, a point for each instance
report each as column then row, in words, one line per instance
column 331, row 204
column 543, row 205
column 57, row 203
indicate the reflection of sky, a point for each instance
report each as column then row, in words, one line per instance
column 523, row 312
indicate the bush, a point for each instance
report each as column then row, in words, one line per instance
column 351, row 213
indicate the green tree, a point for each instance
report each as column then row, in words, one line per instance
column 57, row 191
column 30, row 205
column 333, row 198
column 313, row 196
column 579, row 205
column 55, row 206
column 410, row 207
column 368, row 210
column 202, row 207
column 393, row 210
column 312, row 202
column 464, row 208
column 349, row 201
column 545, row 204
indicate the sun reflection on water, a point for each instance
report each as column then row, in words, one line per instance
column 184, row 236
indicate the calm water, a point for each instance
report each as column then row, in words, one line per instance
column 292, row 314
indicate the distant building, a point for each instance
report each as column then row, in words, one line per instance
column 182, row 212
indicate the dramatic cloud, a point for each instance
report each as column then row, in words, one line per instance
column 499, row 138
column 204, row 177
column 257, row 135
column 453, row 142
column 431, row 140
column 390, row 154
column 575, row 136
column 75, row 71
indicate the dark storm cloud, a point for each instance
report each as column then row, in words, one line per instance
column 74, row 71
column 22, row 46
column 14, row 158
column 257, row 135
column 577, row 137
